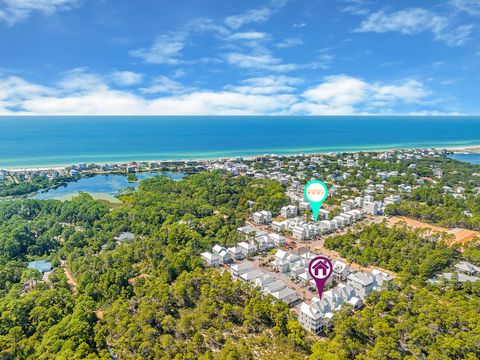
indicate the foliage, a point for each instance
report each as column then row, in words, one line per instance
column 400, row 249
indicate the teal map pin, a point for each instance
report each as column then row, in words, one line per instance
column 315, row 192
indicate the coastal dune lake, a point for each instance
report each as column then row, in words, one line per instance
column 60, row 140
column 102, row 187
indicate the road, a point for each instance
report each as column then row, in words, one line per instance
column 317, row 245
column 70, row 279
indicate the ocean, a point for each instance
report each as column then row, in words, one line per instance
column 60, row 140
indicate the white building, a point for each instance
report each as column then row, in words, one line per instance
column 262, row 217
column 289, row 211
column 251, row 275
column 236, row 253
column 241, row 268
column 279, row 225
column 371, row 208
column 362, row 283
column 210, row 259
column 247, row 249
column 302, row 232
column 467, row 268
column 340, row 271
column 286, row 295
column 316, row 317
column 278, row 240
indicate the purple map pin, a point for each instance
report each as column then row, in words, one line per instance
column 320, row 269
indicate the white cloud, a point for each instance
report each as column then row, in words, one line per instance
column 416, row 20
column 254, row 15
column 165, row 50
column 206, row 25
column 80, row 79
column 267, row 85
column 13, row 11
column 251, row 16
column 289, row 42
column 127, row 78
column 251, row 35
column 83, row 93
column 299, row 25
column 471, row 7
column 260, row 60
column 14, row 91
column 163, row 84
column 343, row 94
column 168, row 48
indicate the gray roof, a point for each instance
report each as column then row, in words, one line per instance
column 41, row 265
column 361, row 277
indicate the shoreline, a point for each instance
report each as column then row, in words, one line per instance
column 465, row 149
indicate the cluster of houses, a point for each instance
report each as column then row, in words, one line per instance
column 268, row 284
column 464, row 271
column 302, row 230
column 352, row 287
column 30, row 174
column 316, row 316
column 258, row 241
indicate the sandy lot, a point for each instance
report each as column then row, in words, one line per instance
column 460, row 235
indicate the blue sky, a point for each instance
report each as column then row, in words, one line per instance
column 305, row 57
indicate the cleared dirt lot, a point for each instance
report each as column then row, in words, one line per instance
column 460, row 235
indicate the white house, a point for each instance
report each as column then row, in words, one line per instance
column 124, row 237
column 315, row 317
column 289, row 211
column 281, row 262
column 210, row 259
column 279, row 225
column 362, row 283
column 236, row 253
column 262, row 217
column 323, row 214
column 340, row 271
column 325, row 226
column 301, row 232
column 225, row 256
column 467, row 268
column 273, row 287
column 247, row 249
column 381, row 279
column 392, row 199
column 371, row 207
column 252, row 275
column 217, row 248
column 241, row 268
column 286, row 295
column 277, row 239
column 357, row 214
column 264, row 280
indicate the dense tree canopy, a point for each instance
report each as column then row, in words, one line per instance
column 152, row 298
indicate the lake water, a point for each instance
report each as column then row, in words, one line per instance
column 61, row 140
column 471, row 158
column 99, row 186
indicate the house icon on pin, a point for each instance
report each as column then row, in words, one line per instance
column 320, row 266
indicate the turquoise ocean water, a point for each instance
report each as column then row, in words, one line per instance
column 42, row 141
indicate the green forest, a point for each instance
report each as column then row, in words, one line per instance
column 24, row 187
column 153, row 298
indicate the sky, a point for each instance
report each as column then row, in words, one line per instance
column 232, row 57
